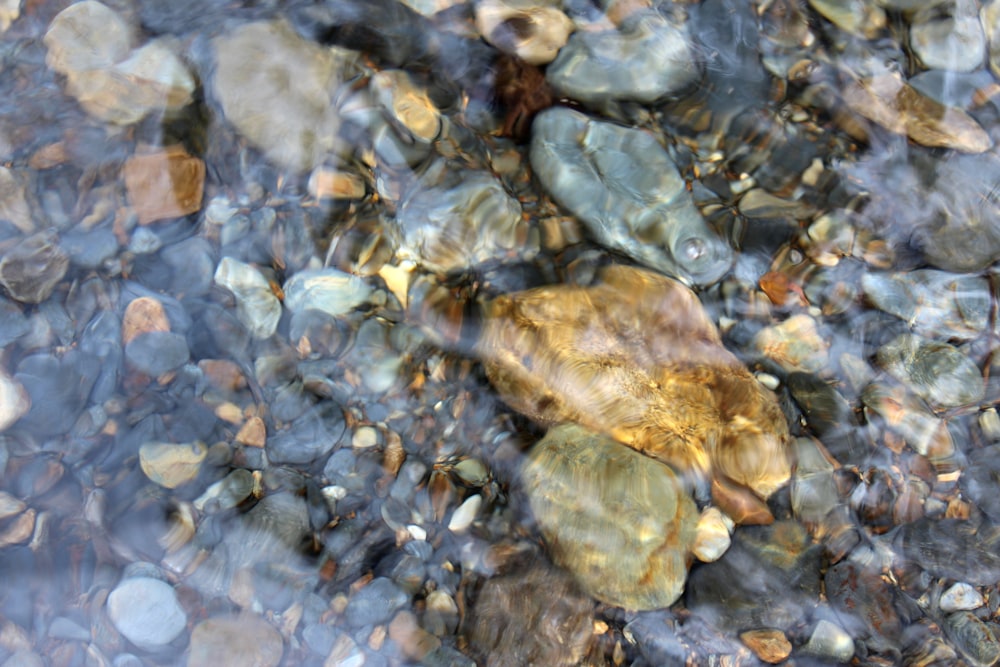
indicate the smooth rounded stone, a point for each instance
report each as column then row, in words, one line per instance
column 990, row 16
column 374, row 358
column 227, row 493
column 407, row 106
column 14, row 205
column 830, row 417
column 90, row 249
column 246, row 639
column 170, row 465
column 87, row 35
column 257, row 307
column 979, row 480
column 13, row 323
column 64, row 628
column 619, row 521
column 532, row 616
column 624, row 187
column 157, row 352
column 31, row 269
column 328, row 290
column 814, row 490
column 163, row 184
column 906, row 414
column 146, row 612
column 375, row 603
column 10, row 505
column 795, row 344
column 830, row 641
column 414, row 642
column 712, row 535
column 473, row 472
column 14, row 401
column 954, row 42
column 534, row 31
column 863, row 19
column 647, row 58
column 768, row 578
column 961, row 597
column 310, row 437
column 935, row 371
column 770, row 646
column 465, row 514
column 949, row 548
column 63, row 382
column 144, row 314
column 977, row 640
column 278, row 89
column 457, row 220
column 937, row 304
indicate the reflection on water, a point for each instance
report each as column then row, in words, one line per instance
column 290, row 290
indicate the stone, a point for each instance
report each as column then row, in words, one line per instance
column 406, row 105
column 532, row 32
column 143, row 315
column 831, row 642
column 712, row 536
column 277, row 89
column 14, row 401
column 9, row 11
column 157, row 353
column 14, row 206
column 31, row 269
column 937, row 372
column 961, row 597
column 954, row 42
column 794, row 344
column 328, row 290
column 770, row 646
column 244, row 639
column 165, row 184
column 146, row 611
column 326, row 183
column 375, row 603
column 466, row 513
column 170, row 465
column 257, row 307
column 414, row 641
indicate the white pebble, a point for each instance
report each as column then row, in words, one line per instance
column 712, row 536
column 961, row 597
column 464, row 515
column 364, row 437
column 416, row 532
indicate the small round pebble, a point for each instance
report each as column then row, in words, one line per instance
column 146, row 612
column 247, row 640
column 961, row 597
column 771, row 646
column 831, row 642
column 375, row 603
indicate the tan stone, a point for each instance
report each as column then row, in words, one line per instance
column 143, row 315
column 165, row 184
column 253, row 433
column 771, row 646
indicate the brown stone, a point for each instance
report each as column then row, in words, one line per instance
column 771, row 646
column 223, row 374
column 413, row 641
column 253, row 433
column 165, row 184
column 246, row 640
column 143, row 315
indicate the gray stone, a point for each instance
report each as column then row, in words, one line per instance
column 157, row 352
column 146, row 612
column 31, row 270
column 375, row 603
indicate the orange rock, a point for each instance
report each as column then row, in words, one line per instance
column 143, row 315
column 165, row 184
column 253, row 433
column 771, row 646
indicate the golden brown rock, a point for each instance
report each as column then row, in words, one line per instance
column 896, row 106
column 143, row 315
column 165, row 184
column 637, row 358
column 771, row 646
column 620, row 522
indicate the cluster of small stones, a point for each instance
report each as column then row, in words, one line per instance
column 240, row 420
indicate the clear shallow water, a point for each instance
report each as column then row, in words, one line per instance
column 244, row 407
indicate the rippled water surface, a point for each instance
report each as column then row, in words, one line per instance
column 499, row 332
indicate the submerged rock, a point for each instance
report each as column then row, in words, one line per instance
column 624, row 187
column 31, row 269
column 620, row 522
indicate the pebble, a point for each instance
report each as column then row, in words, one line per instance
column 712, row 536
column 831, row 642
column 13, row 323
column 961, row 597
column 936, row 371
column 146, row 611
column 534, row 32
column 170, row 465
column 414, row 641
column 14, row 206
column 364, row 437
column 157, row 353
column 228, row 492
column 245, row 639
column 328, row 290
column 770, row 646
column 31, row 269
column 14, row 401
column 794, row 344
column 406, row 104
column 18, row 530
column 164, row 184
column 257, row 307
column 143, row 315
column 64, row 381
column 10, row 505
column 466, row 513
column 978, row 641
column 284, row 103
column 326, row 183
column 375, row 603
column 954, row 42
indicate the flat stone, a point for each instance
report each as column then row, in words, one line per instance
column 31, row 269
column 257, row 307
column 375, row 603
column 165, row 184
column 171, row 465
column 328, row 290
column 86, row 35
column 157, row 352
column 771, row 646
column 830, row 641
column 246, row 639
column 14, row 401
column 143, row 315
column 146, row 612
column 961, row 597
column 14, row 206
column 794, row 344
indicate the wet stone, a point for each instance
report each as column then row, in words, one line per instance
column 157, row 352
column 646, row 58
column 311, row 436
column 170, row 465
column 256, row 305
column 14, row 206
column 979, row 480
column 615, row 519
column 375, row 603
column 977, row 640
column 146, row 611
column 771, row 646
column 31, row 270
column 936, row 371
column 64, row 382
column 949, row 548
column 961, row 597
column 164, row 184
column 246, row 639
column 534, row 32
column 831, row 642
column 624, row 187
column 13, row 323
column 14, row 401
column 531, row 616
column 954, row 42
column 864, row 602
column 328, row 290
